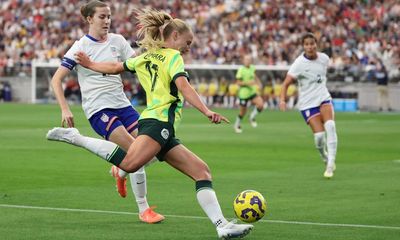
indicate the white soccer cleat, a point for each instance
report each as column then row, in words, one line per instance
column 233, row 230
column 329, row 171
column 62, row 134
column 253, row 123
column 238, row 129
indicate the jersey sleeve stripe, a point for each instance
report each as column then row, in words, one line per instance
column 127, row 68
column 68, row 63
column 184, row 74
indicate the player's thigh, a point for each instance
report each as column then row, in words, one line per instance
column 188, row 163
column 140, row 152
column 121, row 137
column 327, row 112
column 316, row 124
column 258, row 102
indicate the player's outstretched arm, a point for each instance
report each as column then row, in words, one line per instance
column 193, row 98
column 102, row 67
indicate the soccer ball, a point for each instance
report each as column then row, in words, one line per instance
column 250, row 206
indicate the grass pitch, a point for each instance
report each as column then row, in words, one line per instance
column 51, row 190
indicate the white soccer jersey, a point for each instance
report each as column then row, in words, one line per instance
column 311, row 79
column 100, row 91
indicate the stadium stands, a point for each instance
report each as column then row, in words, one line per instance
column 356, row 34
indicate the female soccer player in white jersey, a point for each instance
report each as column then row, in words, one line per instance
column 161, row 72
column 315, row 102
column 105, row 105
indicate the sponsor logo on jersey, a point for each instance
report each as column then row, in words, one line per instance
column 104, row 118
column 165, row 133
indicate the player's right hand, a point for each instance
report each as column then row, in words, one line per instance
column 216, row 117
column 67, row 119
column 83, row 59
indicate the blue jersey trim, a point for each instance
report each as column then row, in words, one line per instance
column 91, row 38
column 68, row 63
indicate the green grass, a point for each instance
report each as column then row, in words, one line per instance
column 278, row 159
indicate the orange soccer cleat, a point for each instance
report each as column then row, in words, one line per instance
column 149, row 216
column 120, row 182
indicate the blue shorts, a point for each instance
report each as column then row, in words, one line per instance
column 106, row 120
column 313, row 112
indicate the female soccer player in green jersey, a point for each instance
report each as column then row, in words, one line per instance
column 248, row 83
column 161, row 72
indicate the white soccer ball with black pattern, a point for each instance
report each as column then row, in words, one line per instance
column 250, row 206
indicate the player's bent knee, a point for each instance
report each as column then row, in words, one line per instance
column 202, row 173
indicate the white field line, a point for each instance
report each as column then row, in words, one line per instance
column 196, row 217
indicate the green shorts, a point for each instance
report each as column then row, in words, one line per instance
column 161, row 132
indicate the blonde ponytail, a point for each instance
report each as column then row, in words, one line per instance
column 155, row 26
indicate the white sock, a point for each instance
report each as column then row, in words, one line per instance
column 101, row 148
column 319, row 140
column 254, row 113
column 331, row 141
column 237, row 122
column 122, row 173
column 139, row 188
column 209, row 203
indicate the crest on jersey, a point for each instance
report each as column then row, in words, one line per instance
column 165, row 133
column 104, row 118
column 114, row 52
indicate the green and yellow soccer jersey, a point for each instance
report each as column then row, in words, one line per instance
column 157, row 71
column 246, row 74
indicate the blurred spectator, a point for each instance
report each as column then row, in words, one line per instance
column 233, row 90
column 6, row 92
column 202, row 89
column 72, row 91
column 222, row 98
column 1, row 91
column 268, row 95
column 128, row 90
column 212, row 92
column 381, row 76
column 269, row 30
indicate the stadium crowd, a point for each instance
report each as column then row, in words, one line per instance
column 357, row 35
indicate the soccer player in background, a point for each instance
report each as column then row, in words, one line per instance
column 161, row 72
column 248, row 83
column 314, row 100
column 103, row 100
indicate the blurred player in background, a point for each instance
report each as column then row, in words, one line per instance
column 249, row 85
column 103, row 100
column 315, row 102
column 161, row 72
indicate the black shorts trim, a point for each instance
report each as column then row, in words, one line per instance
column 243, row 102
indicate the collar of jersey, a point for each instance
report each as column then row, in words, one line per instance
column 92, row 38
